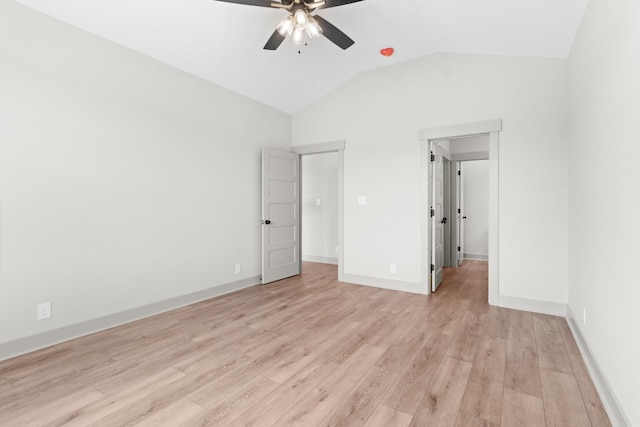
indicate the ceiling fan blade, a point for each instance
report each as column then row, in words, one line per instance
column 274, row 41
column 332, row 32
column 262, row 3
column 334, row 3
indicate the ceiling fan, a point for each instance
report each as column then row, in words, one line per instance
column 300, row 24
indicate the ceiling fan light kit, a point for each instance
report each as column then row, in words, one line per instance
column 300, row 25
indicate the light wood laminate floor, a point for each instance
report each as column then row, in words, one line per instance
column 310, row 351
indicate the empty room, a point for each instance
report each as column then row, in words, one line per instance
column 337, row 212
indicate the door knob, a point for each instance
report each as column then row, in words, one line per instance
column 266, row 222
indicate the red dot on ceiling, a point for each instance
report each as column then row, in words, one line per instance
column 387, row 51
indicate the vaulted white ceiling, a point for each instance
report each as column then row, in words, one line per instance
column 222, row 42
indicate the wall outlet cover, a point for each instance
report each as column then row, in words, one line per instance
column 44, row 311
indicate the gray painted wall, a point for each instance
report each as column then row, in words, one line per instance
column 379, row 115
column 123, row 181
column 604, row 178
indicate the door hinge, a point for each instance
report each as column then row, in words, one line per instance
column 432, row 213
column 458, row 210
column 458, row 248
column 433, row 157
column 459, row 173
column 433, row 268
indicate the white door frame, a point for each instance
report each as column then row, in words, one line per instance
column 493, row 128
column 330, row 147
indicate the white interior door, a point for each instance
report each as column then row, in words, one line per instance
column 437, row 223
column 461, row 216
column 280, row 214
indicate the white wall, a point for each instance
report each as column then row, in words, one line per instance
column 122, row 181
column 320, row 222
column 379, row 114
column 604, row 185
column 476, row 208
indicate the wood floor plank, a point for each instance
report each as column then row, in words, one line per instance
column 447, row 318
column 88, row 414
column 483, row 400
column 40, row 414
column 563, row 405
column 590, row 397
column 173, row 415
column 465, row 343
column 228, row 408
column 386, row 334
column 408, row 391
column 522, row 369
column 406, row 347
column 483, row 396
column 142, row 366
column 138, row 409
column 38, row 392
column 209, row 393
column 287, row 395
column 302, row 356
column 310, row 350
column 385, row 416
column 466, row 420
column 323, row 399
column 497, row 322
column 5, row 386
column 552, row 353
column 356, row 407
column 29, row 361
column 440, row 404
column 247, row 341
column 522, row 410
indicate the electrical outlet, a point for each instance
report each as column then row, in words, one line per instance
column 238, row 268
column 392, row 269
column 584, row 315
column 337, row 250
column 44, row 311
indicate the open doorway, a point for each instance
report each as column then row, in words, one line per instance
column 459, row 203
column 428, row 137
column 321, row 210
column 319, row 204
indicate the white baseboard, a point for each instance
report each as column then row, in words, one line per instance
column 320, row 259
column 377, row 282
column 609, row 400
column 477, row 257
column 56, row 336
column 536, row 306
